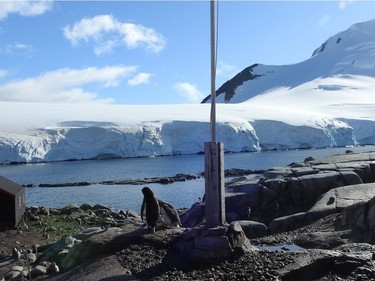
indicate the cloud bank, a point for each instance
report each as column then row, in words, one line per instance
column 64, row 85
column 106, row 32
column 24, row 8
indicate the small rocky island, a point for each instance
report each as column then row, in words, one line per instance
column 308, row 221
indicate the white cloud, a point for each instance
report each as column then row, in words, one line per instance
column 104, row 47
column 24, row 8
column 226, row 70
column 344, row 4
column 107, row 33
column 189, row 92
column 140, row 78
column 64, row 85
column 16, row 47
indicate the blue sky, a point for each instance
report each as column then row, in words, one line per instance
column 150, row 52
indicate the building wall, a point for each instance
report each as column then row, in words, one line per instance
column 7, row 210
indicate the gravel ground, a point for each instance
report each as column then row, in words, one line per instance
column 146, row 261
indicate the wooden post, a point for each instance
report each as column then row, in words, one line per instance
column 214, row 184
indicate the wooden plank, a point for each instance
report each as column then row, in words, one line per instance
column 214, row 184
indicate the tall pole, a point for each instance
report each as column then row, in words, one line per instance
column 214, row 152
column 213, row 73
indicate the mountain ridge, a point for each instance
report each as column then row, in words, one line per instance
column 348, row 52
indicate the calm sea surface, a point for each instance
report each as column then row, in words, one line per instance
column 180, row 194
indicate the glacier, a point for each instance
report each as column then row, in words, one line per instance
column 325, row 101
column 58, row 132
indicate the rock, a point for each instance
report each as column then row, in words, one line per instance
column 360, row 218
column 14, row 274
column 336, row 200
column 319, row 263
column 277, row 173
column 71, row 208
column 208, row 245
column 322, row 239
column 253, row 229
column 31, row 257
column 194, row 216
column 131, row 214
column 44, row 211
column 210, row 248
column 305, row 190
column 169, row 215
column 109, row 241
column 308, row 159
column 59, row 250
column 101, row 207
column 38, row 271
column 86, row 207
column 303, row 171
column 85, row 233
column 287, row 223
column 238, row 239
column 52, row 269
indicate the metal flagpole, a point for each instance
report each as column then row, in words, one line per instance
column 214, row 152
column 213, row 72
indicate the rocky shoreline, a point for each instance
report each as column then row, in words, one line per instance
column 308, row 221
column 145, row 181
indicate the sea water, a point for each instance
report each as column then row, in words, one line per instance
column 129, row 197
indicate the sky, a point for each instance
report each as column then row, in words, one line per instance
column 152, row 52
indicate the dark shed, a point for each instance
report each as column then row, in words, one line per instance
column 12, row 202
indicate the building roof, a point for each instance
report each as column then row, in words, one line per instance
column 10, row 187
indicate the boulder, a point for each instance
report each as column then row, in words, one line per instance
column 360, row 218
column 71, row 208
column 305, row 190
column 169, row 215
column 87, row 232
column 337, row 199
column 207, row 245
column 194, row 216
column 287, row 223
column 333, row 201
column 38, row 271
column 253, row 229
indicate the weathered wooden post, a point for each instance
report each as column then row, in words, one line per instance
column 214, row 151
column 214, row 184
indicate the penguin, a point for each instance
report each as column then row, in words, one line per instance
column 150, row 202
column 168, row 214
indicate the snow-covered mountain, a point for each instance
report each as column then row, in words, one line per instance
column 327, row 100
column 350, row 53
